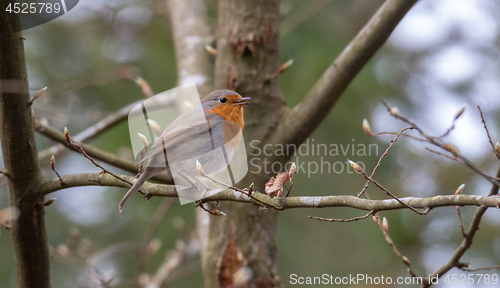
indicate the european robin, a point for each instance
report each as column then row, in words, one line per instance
column 192, row 137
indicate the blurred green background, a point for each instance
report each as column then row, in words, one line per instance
column 444, row 54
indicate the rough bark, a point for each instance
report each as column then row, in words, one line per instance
column 247, row 62
column 48, row 186
column 21, row 161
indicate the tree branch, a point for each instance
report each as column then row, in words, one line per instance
column 307, row 115
column 20, row 158
column 279, row 203
column 96, row 153
column 91, row 132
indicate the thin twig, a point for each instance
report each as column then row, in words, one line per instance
column 5, row 173
column 94, row 152
column 496, row 267
column 80, row 149
column 246, row 192
column 382, row 157
column 447, row 156
column 439, row 142
column 343, row 220
column 5, row 225
column 376, row 219
column 448, row 131
column 289, row 189
column 396, row 133
column 53, row 166
column 488, row 132
column 389, row 241
column 209, row 211
column 461, row 223
column 91, row 132
column 99, row 166
column 392, row 195
column 37, row 95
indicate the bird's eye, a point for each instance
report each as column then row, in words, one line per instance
column 222, row 100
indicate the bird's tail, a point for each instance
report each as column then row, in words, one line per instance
column 133, row 189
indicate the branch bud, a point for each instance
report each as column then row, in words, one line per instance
column 405, row 260
column 367, row 128
column 211, row 50
column 394, row 111
column 43, row 121
column 497, row 148
column 66, row 135
column 292, row 171
column 459, row 190
column 49, row 202
column 146, row 89
column 216, row 212
column 144, row 140
column 355, row 166
column 452, row 149
column 385, row 225
column 250, row 188
column 38, row 95
column 63, row 250
column 52, row 162
column 460, row 112
column 155, row 126
column 285, row 66
column 153, row 246
column 200, row 169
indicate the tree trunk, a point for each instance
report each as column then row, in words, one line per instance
column 243, row 243
column 21, row 161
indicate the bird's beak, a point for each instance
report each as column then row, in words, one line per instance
column 243, row 101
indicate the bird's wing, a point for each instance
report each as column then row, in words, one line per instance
column 182, row 129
